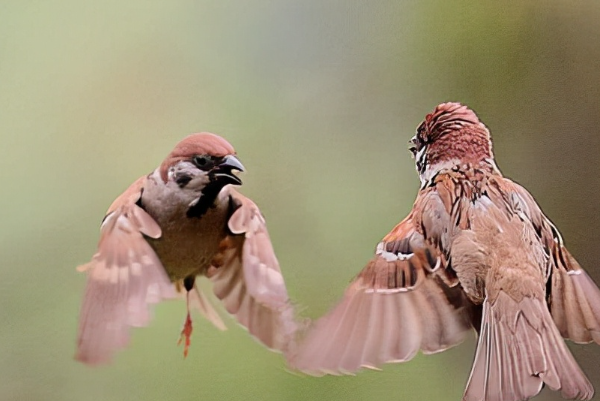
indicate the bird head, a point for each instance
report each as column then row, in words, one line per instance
column 200, row 160
column 450, row 135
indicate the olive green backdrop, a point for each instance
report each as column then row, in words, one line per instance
column 319, row 98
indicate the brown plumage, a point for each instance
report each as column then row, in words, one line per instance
column 475, row 251
column 182, row 221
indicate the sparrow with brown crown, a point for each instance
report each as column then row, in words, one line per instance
column 182, row 221
column 477, row 252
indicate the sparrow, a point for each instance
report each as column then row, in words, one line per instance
column 475, row 251
column 182, row 221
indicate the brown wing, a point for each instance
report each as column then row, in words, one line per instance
column 124, row 278
column 519, row 348
column 573, row 298
column 247, row 277
column 404, row 300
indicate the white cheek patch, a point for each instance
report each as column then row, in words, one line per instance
column 170, row 196
column 185, row 168
column 420, row 156
column 420, row 160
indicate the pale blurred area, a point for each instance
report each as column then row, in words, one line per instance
column 320, row 100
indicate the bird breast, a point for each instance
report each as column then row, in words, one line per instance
column 187, row 244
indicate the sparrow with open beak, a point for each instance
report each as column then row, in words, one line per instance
column 181, row 221
column 475, row 251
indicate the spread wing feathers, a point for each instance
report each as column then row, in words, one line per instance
column 520, row 350
column 124, row 277
column 247, row 278
column 403, row 301
column 574, row 298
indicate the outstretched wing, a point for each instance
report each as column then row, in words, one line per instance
column 247, row 277
column 405, row 299
column 574, row 298
column 124, row 277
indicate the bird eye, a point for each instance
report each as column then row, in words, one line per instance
column 203, row 162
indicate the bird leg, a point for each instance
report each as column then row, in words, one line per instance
column 186, row 332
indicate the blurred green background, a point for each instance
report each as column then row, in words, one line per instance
column 319, row 98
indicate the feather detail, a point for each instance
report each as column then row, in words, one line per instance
column 247, row 278
column 575, row 305
column 125, row 277
column 404, row 300
column 370, row 328
column 574, row 298
column 519, row 350
column 201, row 302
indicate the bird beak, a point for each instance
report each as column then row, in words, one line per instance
column 413, row 147
column 224, row 170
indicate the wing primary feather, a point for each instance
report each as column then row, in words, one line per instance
column 124, row 279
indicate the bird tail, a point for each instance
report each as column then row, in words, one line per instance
column 206, row 307
column 519, row 350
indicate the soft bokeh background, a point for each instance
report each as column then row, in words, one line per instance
column 320, row 99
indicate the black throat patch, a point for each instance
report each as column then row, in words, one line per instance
column 207, row 200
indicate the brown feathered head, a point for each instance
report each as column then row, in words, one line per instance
column 451, row 134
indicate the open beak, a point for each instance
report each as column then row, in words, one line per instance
column 224, row 170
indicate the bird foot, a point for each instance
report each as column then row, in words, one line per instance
column 186, row 333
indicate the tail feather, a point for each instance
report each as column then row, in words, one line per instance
column 519, row 350
column 206, row 308
column 528, row 361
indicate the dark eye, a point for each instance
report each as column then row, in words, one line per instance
column 420, row 139
column 203, row 162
